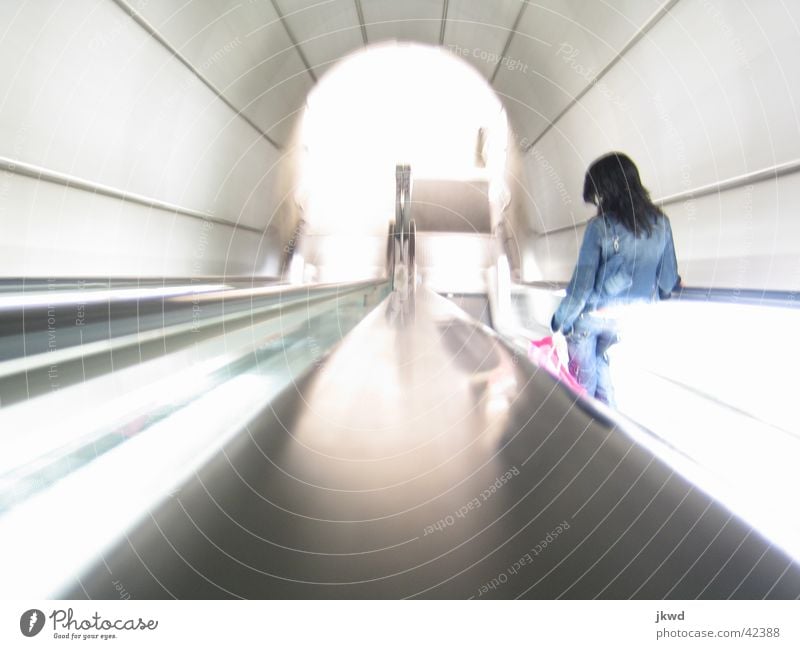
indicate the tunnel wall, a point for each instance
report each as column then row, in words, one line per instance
column 173, row 182
column 707, row 96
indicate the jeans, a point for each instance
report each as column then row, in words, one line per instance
column 588, row 344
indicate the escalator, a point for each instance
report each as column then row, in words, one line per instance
column 424, row 457
column 358, row 440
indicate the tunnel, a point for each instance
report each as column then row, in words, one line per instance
column 270, row 271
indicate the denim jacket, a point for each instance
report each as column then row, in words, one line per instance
column 615, row 267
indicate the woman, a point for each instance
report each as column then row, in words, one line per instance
column 627, row 256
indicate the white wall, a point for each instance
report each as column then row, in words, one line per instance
column 710, row 93
column 89, row 93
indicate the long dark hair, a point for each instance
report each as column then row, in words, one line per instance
column 613, row 184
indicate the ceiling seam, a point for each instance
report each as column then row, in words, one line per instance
column 362, row 24
column 445, row 5
column 153, row 32
column 511, row 33
column 292, row 38
column 641, row 33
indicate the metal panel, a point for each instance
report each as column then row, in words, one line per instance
column 554, row 255
column 477, row 31
column 559, row 47
column 686, row 105
column 702, row 99
column 746, row 238
column 451, row 205
column 58, row 231
column 737, row 239
column 326, row 31
column 244, row 50
column 410, row 20
column 90, row 94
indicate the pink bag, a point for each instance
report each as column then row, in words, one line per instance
column 543, row 353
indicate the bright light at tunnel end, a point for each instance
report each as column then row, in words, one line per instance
column 392, row 104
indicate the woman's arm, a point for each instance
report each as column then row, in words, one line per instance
column 583, row 278
column 667, row 276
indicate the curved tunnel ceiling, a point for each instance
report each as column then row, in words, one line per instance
column 265, row 56
column 109, row 112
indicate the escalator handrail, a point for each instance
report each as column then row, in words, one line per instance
column 759, row 297
column 167, row 316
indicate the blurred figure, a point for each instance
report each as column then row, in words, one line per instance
column 627, row 256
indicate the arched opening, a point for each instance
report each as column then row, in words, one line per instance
column 390, row 104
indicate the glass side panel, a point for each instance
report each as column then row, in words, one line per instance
column 46, row 438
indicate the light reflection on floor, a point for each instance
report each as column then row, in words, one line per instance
column 712, row 385
column 713, row 382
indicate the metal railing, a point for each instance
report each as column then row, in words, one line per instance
column 758, row 297
column 85, row 333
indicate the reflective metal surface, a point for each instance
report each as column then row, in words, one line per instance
column 444, row 205
column 424, row 458
column 135, row 384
